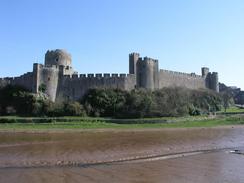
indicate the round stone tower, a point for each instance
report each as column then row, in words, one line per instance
column 58, row 57
column 147, row 73
column 57, row 64
column 215, row 81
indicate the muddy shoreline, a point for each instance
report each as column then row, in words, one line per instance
column 22, row 152
column 52, row 148
column 96, row 130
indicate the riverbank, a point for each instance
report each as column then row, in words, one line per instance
column 75, row 123
column 122, row 155
column 92, row 147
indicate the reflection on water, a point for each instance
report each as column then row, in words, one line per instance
column 30, row 157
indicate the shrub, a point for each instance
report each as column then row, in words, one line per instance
column 144, row 103
column 74, row 109
column 103, row 102
column 113, row 103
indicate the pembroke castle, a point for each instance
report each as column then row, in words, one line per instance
column 62, row 82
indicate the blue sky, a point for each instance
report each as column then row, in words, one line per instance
column 183, row 34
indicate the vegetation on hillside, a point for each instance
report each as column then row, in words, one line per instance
column 139, row 103
column 145, row 103
column 15, row 100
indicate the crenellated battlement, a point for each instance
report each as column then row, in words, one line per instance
column 148, row 59
column 41, row 66
column 183, row 74
column 28, row 74
column 98, row 76
column 24, row 80
column 134, row 54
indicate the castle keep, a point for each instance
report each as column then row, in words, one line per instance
column 61, row 82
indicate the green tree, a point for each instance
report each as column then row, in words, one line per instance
column 42, row 88
column 226, row 100
column 74, row 109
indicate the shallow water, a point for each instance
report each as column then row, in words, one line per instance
column 162, row 155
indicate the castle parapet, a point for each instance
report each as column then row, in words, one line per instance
column 9, row 78
column 106, row 75
column 82, row 76
column 90, row 75
column 115, row 75
column 122, row 75
column 148, row 59
column 99, row 75
column 192, row 75
column 74, row 76
column 134, row 54
column 35, row 65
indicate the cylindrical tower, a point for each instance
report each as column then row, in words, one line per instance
column 58, row 57
column 49, row 78
column 215, row 81
column 36, row 77
column 156, row 74
column 147, row 73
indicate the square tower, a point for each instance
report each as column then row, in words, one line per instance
column 133, row 59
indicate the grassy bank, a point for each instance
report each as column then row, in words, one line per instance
column 100, row 123
column 71, row 119
column 233, row 109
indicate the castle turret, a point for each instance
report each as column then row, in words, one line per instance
column 36, row 77
column 57, row 64
column 214, row 82
column 205, row 72
column 58, row 57
column 147, row 73
column 133, row 59
column 211, row 79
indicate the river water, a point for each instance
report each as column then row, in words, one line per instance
column 151, row 155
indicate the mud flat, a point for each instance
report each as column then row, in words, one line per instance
column 148, row 155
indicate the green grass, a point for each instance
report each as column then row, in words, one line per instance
column 89, row 120
column 100, row 124
column 233, row 109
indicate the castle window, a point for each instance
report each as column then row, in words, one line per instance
column 56, row 59
column 48, row 79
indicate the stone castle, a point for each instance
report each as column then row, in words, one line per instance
column 61, row 82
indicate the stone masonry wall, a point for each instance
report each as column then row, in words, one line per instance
column 25, row 80
column 76, row 86
column 178, row 79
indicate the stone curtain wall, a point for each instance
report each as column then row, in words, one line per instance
column 76, row 86
column 178, row 79
column 25, row 80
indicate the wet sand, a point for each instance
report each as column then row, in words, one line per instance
column 162, row 155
